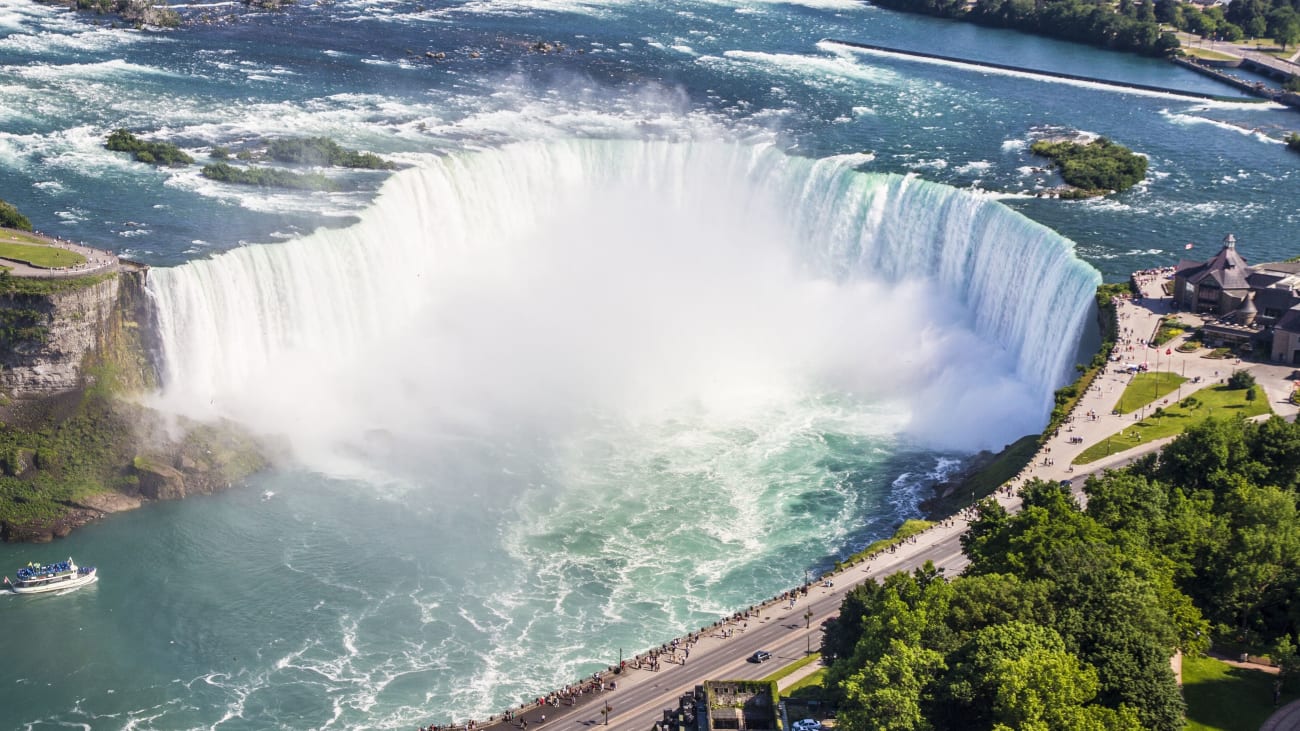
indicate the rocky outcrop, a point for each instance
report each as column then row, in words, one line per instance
column 51, row 338
column 75, row 444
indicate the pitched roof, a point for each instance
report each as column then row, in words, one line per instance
column 1276, row 299
column 1290, row 321
column 1227, row 268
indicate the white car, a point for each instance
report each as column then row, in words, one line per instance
column 807, row 724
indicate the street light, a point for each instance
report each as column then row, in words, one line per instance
column 807, row 625
column 605, row 712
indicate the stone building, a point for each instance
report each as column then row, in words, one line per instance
column 744, row 705
column 1259, row 305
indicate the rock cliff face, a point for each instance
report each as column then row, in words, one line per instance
column 75, row 444
column 52, row 338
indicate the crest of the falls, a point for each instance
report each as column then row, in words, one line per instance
column 546, row 282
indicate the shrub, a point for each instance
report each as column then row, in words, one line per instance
column 268, row 177
column 1241, row 380
column 11, row 218
column 154, row 153
column 323, row 151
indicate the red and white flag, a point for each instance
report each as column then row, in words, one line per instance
column 1187, row 246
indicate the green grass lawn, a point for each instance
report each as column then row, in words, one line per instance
column 789, row 669
column 1145, row 388
column 1217, row 401
column 908, row 529
column 1207, row 54
column 816, row 681
column 1223, row 698
column 20, row 246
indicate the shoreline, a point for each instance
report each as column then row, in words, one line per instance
column 726, row 642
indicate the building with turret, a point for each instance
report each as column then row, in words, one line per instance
column 1259, row 305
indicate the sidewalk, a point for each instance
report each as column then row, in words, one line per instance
column 1138, row 321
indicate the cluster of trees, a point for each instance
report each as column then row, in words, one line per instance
column 154, row 153
column 294, row 150
column 1129, row 26
column 141, row 12
column 1097, row 167
column 10, row 217
column 1293, row 141
column 1067, row 618
column 268, row 177
column 323, row 151
column 1276, row 19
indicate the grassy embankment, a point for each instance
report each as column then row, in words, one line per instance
column 1221, row 697
column 908, row 529
column 29, row 249
column 792, row 667
column 1013, row 458
column 1167, row 422
column 1207, row 54
column 1146, row 388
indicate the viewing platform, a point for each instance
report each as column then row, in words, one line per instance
column 39, row 256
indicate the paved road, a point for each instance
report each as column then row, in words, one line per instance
column 642, row 696
column 1241, row 50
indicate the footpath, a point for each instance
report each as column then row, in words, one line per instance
column 635, row 695
column 97, row 261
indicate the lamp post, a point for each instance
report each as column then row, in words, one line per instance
column 605, row 712
column 807, row 625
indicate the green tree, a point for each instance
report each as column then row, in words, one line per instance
column 890, row 694
column 11, row 218
column 1241, row 380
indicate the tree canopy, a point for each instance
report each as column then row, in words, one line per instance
column 1066, row 618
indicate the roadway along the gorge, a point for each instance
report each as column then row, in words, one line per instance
column 642, row 696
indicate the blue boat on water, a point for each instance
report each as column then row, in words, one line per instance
column 37, row 579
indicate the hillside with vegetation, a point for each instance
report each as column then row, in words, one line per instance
column 1128, row 26
column 1067, row 618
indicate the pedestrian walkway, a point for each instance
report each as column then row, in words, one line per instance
column 634, row 696
column 97, row 261
column 1286, row 718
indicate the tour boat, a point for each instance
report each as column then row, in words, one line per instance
column 36, row 579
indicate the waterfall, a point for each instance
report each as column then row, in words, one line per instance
column 340, row 308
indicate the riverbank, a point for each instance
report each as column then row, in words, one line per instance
column 637, row 695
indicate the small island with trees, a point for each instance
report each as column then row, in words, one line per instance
column 1094, row 168
column 299, row 151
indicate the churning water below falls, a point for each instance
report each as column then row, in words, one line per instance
column 633, row 338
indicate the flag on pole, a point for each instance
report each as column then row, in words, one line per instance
column 1169, row 351
column 1187, row 246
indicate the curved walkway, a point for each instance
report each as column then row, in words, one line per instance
column 1286, row 718
column 97, row 261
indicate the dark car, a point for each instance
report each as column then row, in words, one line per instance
column 760, row 656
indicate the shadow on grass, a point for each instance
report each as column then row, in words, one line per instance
column 1225, row 698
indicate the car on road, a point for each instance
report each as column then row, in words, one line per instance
column 807, row 724
column 760, row 656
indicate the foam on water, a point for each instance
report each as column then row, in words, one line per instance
column 291, row 306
